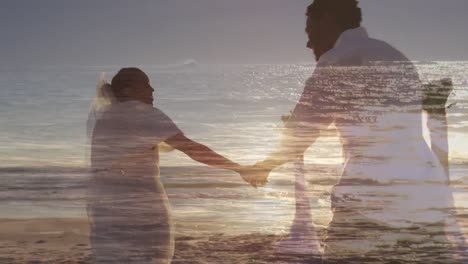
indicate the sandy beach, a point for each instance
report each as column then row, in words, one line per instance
column 66, row 241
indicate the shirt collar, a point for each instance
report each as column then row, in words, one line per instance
column 352, row 35
column 346, row 40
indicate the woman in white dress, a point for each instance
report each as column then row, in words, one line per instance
column 127, row 206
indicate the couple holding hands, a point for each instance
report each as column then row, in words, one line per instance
column 392, row 179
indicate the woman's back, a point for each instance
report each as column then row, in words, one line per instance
column 127, row 203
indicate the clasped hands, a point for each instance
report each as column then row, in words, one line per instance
column 256, row 175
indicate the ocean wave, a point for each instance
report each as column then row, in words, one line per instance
column 43, row 169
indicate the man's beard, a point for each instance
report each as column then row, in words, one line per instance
column 317, row 56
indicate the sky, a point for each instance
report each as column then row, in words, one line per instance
column 139, row 32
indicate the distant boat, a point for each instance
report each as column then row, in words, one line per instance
column 187, row 64
column 190, row 63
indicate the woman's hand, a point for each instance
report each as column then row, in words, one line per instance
column 256, row 175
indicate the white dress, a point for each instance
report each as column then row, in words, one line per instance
column 127, row 204
column 391, row 178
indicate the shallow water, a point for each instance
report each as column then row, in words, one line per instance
column 234, row 109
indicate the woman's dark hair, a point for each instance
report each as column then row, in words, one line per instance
column 346, row 12
column 125, row 77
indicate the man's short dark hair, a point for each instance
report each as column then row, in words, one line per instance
column 346, row 12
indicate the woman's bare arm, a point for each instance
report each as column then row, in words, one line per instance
column 201, row 153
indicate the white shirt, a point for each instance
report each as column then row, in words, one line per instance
column 373, row 95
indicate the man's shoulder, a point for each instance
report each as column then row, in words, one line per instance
column 385, row 51
column 358, row 54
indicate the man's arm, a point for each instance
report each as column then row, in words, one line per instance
column 296, row 139
column 201, row 153
column 438, row 131
column 291, row 148
column 435, row 99
column 311, row 115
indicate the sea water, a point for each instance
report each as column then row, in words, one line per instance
column 234, row 109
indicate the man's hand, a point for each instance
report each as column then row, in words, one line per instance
column 256, row 175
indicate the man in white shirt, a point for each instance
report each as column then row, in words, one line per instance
column 392, row 183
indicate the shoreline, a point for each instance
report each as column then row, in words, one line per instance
column 65, row 240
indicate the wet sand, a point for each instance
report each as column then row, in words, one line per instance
column 66, row 241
